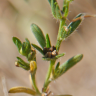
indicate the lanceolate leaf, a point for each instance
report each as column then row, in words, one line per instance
column 31, row 56
column 66, row 7
column 67, row 30
column 38, row 48
column 58, row 12
column 60, row 55
column 48, row 43
column 53, row 7
column 22, row 66
column 28, row 42
column 73, row 25
column 39, row 35
column 70, row 63
column 17, row 42
column 23, row 62
column 22, row 90
column 66, row 66
column 26, row 48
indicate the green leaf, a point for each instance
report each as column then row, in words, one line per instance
column 19, row 64
column 73, row 25
column 17, row 42
column 28, row 43
column 66, row 66
column 38, row 48
column 65, row 9
column 25, row 49
column 70, row 63
column 67, row 30
column 22, row 90
column 39, row 35
column 58, row 12
column 31, row 55
column 54, row 58
column 48, row 43
column 55, row 9
column 23, row 64
column 60, row 55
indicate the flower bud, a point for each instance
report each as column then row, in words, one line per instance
column 33, row 67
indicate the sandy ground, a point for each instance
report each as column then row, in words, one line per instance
column 16, row 16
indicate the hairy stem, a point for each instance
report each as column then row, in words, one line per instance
column 47, row 80
column 59, row 39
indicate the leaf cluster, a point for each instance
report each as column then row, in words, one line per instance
column 49, row 52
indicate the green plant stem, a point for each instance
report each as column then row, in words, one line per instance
column 59, row 39
column 47, row 80
column 34, row 83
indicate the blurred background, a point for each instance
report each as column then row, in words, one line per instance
column 16, row 16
